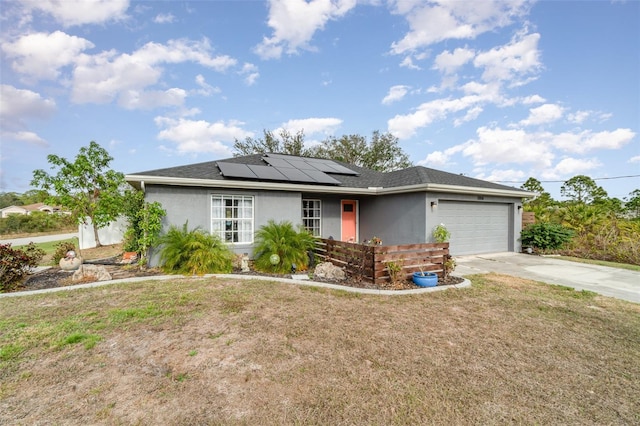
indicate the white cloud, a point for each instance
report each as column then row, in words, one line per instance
column 396, row 93
column 313, row 125
column 407, row 62
column 449, row 62
column 512, row 62
column 103, row 77
column 533, row 99
column 588, row 141
column 543, row 114
column 294, row 22
column 205, row 88
column 578, row 117
column 164, row 18
column 635, row 159
column 405, row 126
column 133, row 99
column 24, row 136
column 250, row 73
column 507, row 146
column 40, row 55
column 79, row 12
column 571, row 166
column 434, row 21
column 471, row 115
column 200, row 136
column 441, row 158
column 19, row 106
column 509, row 175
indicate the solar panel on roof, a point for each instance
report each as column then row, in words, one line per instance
column 267, row 172
column 236, row 170
column 301, row 164
column 296, row 175
column 277, row 162
column 321, row 177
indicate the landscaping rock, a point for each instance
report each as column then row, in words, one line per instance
column 328, row 270
column 87, row 272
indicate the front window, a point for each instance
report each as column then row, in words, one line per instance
column 232, row 218
column 311, row 216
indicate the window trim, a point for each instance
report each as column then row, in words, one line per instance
column 221, row 233
column 319, row 217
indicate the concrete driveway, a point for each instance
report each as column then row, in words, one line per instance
column 613, row 282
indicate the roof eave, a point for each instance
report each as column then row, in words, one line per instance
column 139, row 181
column 457, row 189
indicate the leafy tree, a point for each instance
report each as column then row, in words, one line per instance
column 382, row 153
column 87, row 187
column 541, row 203
column 287, row 144
column 582, row 189
column 9, row 199
column 632, row 203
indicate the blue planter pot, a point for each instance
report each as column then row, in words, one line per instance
column 428, row 279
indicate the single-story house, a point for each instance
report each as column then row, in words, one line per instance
column 5, row 212
column 234, row 197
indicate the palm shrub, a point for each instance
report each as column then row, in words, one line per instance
column 194, row 252
column 291, row 246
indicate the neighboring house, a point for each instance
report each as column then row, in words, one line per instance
column 27, row 209
column 235, row 197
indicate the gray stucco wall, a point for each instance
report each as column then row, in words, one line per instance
column 194, row 205
column 396, row 218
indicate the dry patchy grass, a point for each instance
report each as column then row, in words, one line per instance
column 212, row 351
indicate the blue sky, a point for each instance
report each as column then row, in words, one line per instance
column 495, row 90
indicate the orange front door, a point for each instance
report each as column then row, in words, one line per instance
column 349, row 213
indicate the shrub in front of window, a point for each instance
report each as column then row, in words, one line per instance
column 292, row 247
column 194, row 252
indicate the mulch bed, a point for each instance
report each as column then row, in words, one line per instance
column 55, row 277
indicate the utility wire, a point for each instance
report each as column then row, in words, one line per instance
column 562, row 181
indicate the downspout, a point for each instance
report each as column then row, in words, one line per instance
column 142, row 186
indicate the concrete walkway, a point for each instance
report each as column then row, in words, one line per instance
column 465, row 283
column 613, row 282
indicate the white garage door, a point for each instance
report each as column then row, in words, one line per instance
column 475, row 227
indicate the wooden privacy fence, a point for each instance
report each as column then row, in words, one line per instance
column 371, row 263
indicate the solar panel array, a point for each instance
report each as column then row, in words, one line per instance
column 287, row 168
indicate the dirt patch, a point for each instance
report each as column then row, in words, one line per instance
column 239, row 352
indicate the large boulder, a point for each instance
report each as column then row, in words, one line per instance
column 91, row 273
column 329, row 271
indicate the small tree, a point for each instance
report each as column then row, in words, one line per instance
column 582, row 189
column 145, row 223
column 87, row 187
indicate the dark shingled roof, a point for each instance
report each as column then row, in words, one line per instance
column 366, row 178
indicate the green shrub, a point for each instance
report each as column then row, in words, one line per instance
column 35, row 222
column 282, row 239
column 15, row 264
column 546, row 236
column 193, row 251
